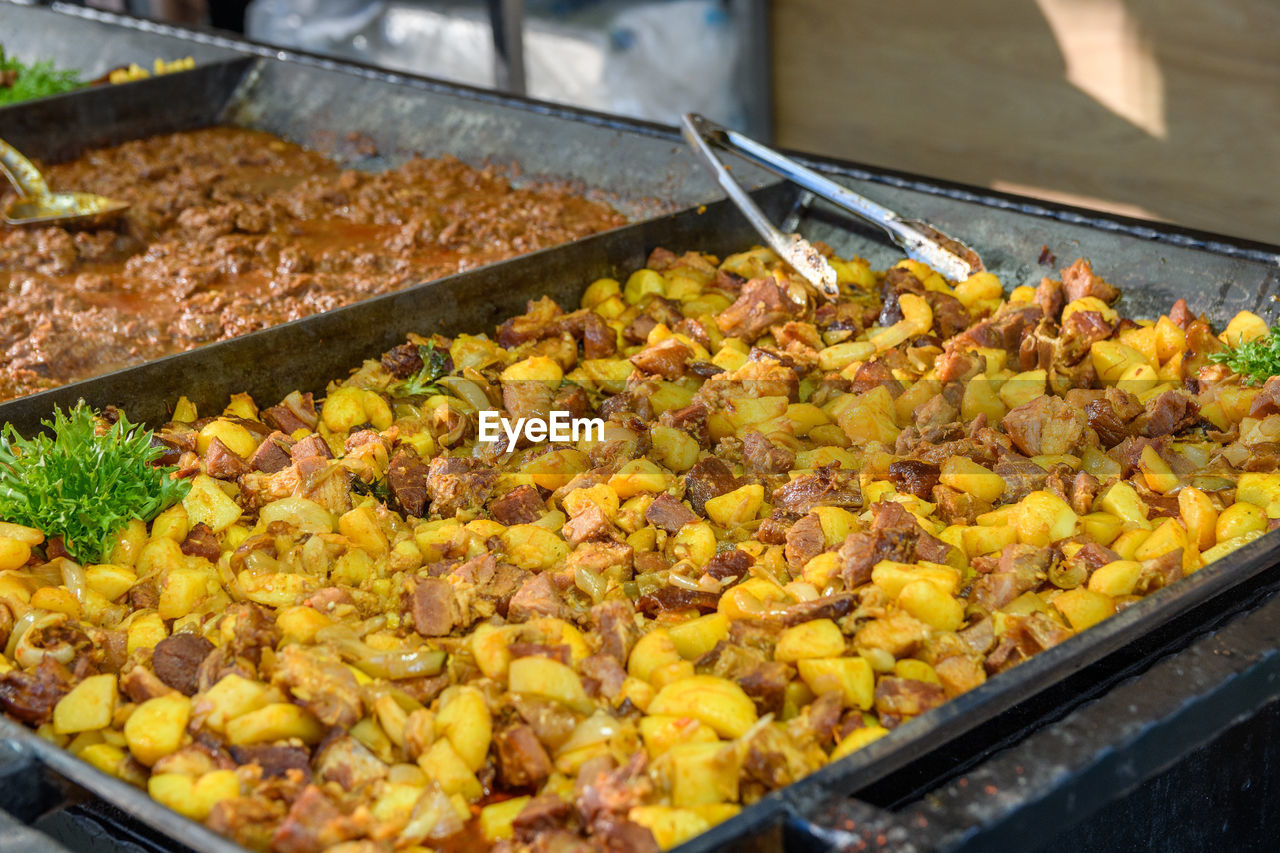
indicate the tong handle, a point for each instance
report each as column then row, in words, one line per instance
column 21, row 172
column 914, row 240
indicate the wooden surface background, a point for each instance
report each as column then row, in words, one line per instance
column 1167, row 109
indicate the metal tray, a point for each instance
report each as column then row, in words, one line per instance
column 307, row 353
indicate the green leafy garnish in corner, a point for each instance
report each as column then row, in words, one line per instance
column 20, row 82
column 435, row 363
column 1257, row 360
column 82, row 483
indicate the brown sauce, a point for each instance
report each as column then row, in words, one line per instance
column 235, row 230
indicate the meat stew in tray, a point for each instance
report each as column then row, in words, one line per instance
column 233, row 230
column 348, row 624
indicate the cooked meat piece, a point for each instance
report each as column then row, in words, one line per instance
column 252, row 629
column 620, row 835
column 589, row 525
column 177, row 659
column 1080, row 281
column 897, row 281
column 728, row 564
column 521, row 505
column 1045, row 425
column 141, row 684
column 1081, row 331
column 313, row 446
column 637, row 331
column 1268, row 400
column 222, row 463
column 407, row 482
column 457, row 483
column 762, row 304
column 202, row 542
column 273, row 454
column 959, row 366
column 274, row 760
column 30, row 696
column 543, row 815
column 950, row 317
column 313, row 824
column 1159, row 572
column 1051, row 296
column 538, row 321
column 828, row 485
column 805, row 540
column 874, row 374
column 348, row 763
column 906, row 697
column 292, row 415
column 402, row 361
column 607, row 672
column 667, row 513
column 958, row 507
column 763, row 458
column 914, row 477
column 1020, row 568
column 433, row 606
column 1084, row 488
column 538, row 597
column 1003, row 331
column 667, row 358
column 676, row 598
column 320, row 682
column 959, row 674
column 826, row 607
column 708, row 478
column 691, row 419
column 522, row 760
column 1168, row 414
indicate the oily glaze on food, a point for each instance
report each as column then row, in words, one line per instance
column 806, row 524
column 234, row 230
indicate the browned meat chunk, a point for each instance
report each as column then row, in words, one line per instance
column 402, row 361
column 311, row 447
column 906, row 697
column 407, row 482
column 691, row 419
column 433, row 606
column 30, row 696
column 1168, row 414
column 667, row 358
column 1268, row 400
column 538, row 597
column 313, row 824
column 177, row 659
column 292, row 415
column 521, row 505
column 348, row 763
column 763, row 458
column 828, row 485
column 708, row 478
column 872, row 375
column 607, row 672
column 1080, row 281
column 676, row 598
column 762, row 304
column 959, row 366
column 274, row 760
column 1080, row 332
column 222, row 463
column 456, row 483
column 1004, row 331
column 950, row 317
column 141, row 684
column 667, row 513
column 958, row 507
column 273, row 454
column 915, row 477
column 201, row 541
column 543, row 816
column 522, row 760
column 728, row 564
column 589, row 525
column 1045, row 425
column 826, row 607
column 1051, row 296
column 538, row 321
column 614, row 622
column 321, row 683
column 805, row 540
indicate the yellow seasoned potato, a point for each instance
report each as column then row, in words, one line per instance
column 851, row 677
column 157, row 727
column 89, row 706
column 716, row 702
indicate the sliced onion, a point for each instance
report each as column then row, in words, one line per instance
column 590, row 583
column 392, row 664
column 677, row 579
column 19, row 628
column 434, row 817
column 598, row 728
column 468, row 391
column 73, row 579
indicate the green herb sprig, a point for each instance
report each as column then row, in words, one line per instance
column 1257, row 360
column 37, row 80
column 82, row 484
column 435, row 364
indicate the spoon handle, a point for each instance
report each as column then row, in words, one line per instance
column 21, row 172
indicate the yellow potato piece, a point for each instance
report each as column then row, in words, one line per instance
column 717, row 702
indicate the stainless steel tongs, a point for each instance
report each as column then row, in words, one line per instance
column 921, row 241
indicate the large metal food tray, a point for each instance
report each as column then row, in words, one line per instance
column 1153, row 264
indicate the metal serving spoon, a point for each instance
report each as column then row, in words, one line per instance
column 36, row 204
column 919, row 240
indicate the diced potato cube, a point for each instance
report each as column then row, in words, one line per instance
column 893, row 577
column 360, row 526
column 818, row 638
column 663, row 731
column 1102, row 527
column 851, row 676
column 1262, row 490
column 20, row 532
column 670, row 826
column 1122, row 501
column 931, row 605
column 14, row 553
column 206, row 503
column 965, row 475
column 181, row 590
column 736, row 507
column 674, row 448
column 1116, row 578
column 276, row 721
column 88, row 707
column 496, row 819
column 696, row 542
column 703, row 773
column 464, row 718
column 145, row 630
column 1245, row 326
column 1168, row 537
column 236, row 438
column 1199, row 515
column 637, row 477
column 532, row 547
column 717, row 702
column 695, row 638
column 856, row 740
column 108, row 580
column 1238, row 519
column 445, row 767
column 1023, row 388
column 157, row 727
column 651, row 651
column 1156, row 472
column 979, row 541
column 1044, row 518
column 232, row 696
column 1084, row 608
column 539, row 676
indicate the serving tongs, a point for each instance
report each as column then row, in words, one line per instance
column 921, row 241
column 37, row 204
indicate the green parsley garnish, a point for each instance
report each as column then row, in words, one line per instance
column 81, row 484
column 19, row 82
column 435, row 364
column 1256, row 360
